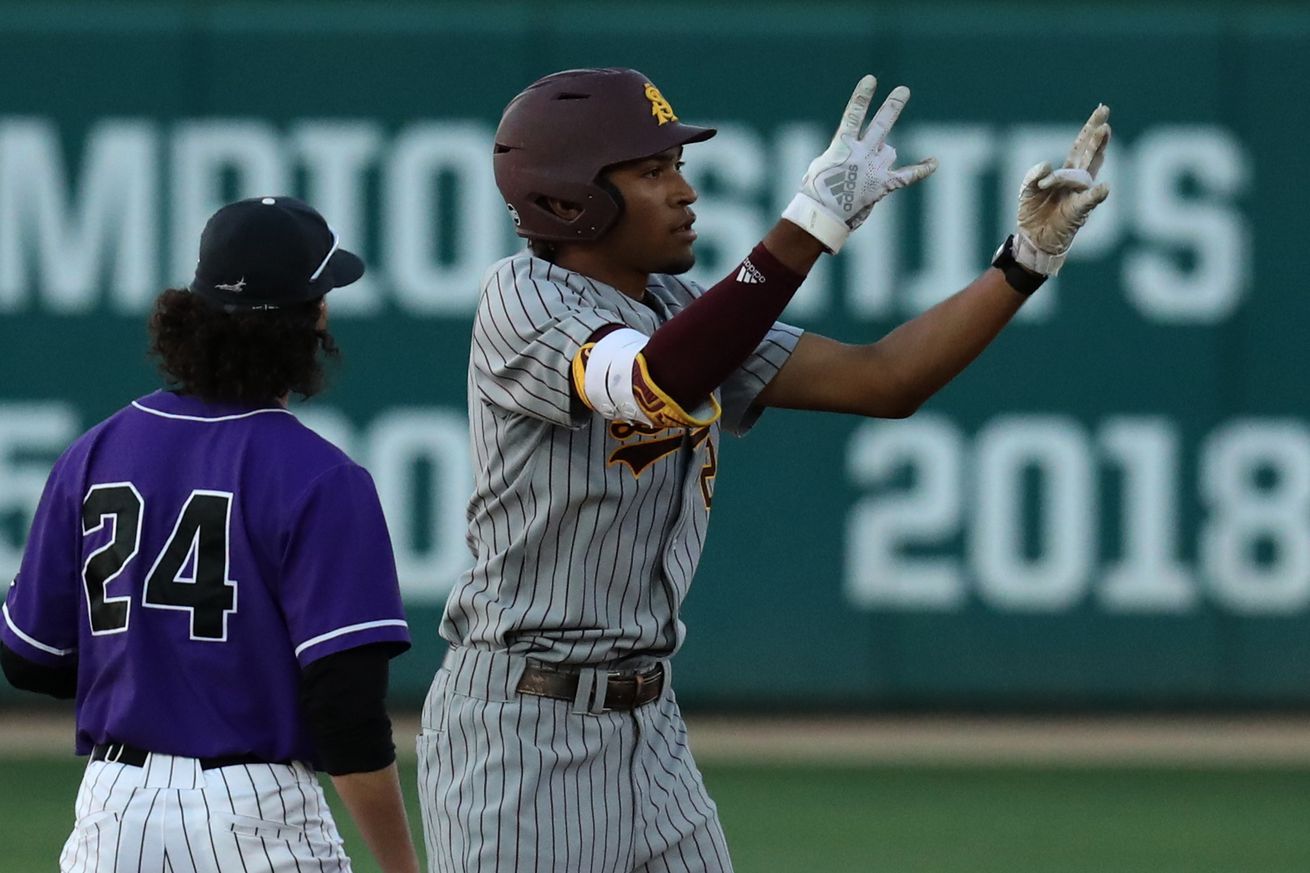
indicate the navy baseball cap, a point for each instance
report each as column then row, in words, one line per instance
column 268, row 252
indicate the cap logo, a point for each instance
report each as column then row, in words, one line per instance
column 235, row 289
column 659, row 107
column 336, row 241
column 514, row 215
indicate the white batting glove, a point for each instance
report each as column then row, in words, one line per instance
column 842, row 184
column 1053, row 204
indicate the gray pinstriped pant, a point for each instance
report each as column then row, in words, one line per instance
column 512, row 782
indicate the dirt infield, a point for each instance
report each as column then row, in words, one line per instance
column 1235, row 740
column 1008, row 740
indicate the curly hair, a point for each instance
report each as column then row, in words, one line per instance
column 238, row 357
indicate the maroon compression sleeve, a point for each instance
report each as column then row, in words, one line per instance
column 698, row 349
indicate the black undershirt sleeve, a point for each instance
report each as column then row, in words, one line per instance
column 343, row 696
column 60, row 682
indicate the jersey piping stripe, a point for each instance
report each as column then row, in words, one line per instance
column 350, row 629
column 34, row 643
column 206, row 419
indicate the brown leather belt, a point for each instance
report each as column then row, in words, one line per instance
column 623, row 691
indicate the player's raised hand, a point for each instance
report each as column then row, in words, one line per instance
column 856, row 171
column 1053, row 204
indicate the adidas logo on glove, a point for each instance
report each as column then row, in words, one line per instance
column 842, row 186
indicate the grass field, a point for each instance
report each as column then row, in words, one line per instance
column 907, row 818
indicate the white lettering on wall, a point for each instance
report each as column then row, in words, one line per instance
column 421, row 206
column 66, row 240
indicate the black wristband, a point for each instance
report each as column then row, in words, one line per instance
column 1021, row 280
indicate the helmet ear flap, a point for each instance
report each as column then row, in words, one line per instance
column 599, row 202
column 603, row 182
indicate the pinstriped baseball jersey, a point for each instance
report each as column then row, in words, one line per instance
column 585, row 532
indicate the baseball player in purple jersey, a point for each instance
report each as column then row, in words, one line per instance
column 599, row 383
column 214, row 584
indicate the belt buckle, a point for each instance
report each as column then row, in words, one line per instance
column 612, row 676
column 621, row 676
column 647, row 679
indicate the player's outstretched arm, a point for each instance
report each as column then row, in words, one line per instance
column 892, row 377
column 695, row 351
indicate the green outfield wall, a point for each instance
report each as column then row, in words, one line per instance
column 1111, row 508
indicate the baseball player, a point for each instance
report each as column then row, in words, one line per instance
column 599, row 382
column 214, row 584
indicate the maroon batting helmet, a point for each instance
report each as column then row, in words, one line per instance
column 557, row 136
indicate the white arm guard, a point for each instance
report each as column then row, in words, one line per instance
column 607, row 381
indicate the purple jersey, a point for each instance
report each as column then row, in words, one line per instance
column 193, row 557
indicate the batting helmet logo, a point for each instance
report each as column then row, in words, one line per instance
column 659, row 107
